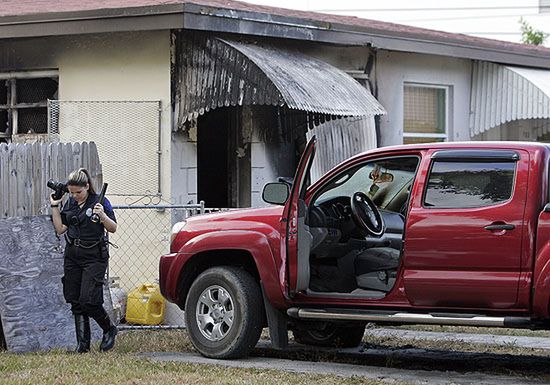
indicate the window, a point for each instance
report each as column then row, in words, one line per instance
column 424, row 114
column 23, row 102
column 469, row 184
column 385, row 181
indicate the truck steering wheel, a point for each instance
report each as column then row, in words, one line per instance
column 366, row 215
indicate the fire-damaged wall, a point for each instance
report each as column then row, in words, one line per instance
column 249, row 105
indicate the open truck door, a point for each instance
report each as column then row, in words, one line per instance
column 297, row 237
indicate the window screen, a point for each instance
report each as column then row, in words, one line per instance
column 424, row 114
column 469, row 184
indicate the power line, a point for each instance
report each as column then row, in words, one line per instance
column 489, row 33
column 429, row 9
column 466, row 17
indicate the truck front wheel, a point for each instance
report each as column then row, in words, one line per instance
column 224, row 312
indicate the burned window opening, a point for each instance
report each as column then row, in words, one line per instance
column 23, row 103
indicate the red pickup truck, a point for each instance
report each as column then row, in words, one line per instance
column 447, row 234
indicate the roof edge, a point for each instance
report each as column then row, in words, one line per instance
column 196, row 16
column 101, row 13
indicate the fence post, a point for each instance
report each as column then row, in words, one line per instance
column 202, row 207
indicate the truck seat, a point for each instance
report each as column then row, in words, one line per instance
column 376, row 268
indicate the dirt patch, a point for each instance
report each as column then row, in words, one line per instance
column 414, row 358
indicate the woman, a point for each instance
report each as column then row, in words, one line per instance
column 86, row 256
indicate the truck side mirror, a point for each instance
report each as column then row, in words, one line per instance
column 276, row 193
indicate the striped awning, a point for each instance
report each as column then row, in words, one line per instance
column 502, row 94
column 217, row 72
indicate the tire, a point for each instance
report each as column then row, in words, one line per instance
column 224, row 312
column 330, row 335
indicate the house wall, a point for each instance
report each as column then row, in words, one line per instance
column 394, row 69
column 105, row 67
column 269, row 161
column 184, row 169
column 344, row 58
column 115, row 67
column 517, row 130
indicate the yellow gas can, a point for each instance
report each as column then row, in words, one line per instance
column 145, row 305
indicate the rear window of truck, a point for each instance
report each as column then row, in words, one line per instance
column 469, row 184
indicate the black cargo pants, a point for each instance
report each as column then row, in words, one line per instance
column 84, row 273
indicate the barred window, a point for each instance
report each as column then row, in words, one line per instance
column 23, row 102
column 424, row 114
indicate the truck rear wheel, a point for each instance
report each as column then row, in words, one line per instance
column 224, row 312
column 330, row 335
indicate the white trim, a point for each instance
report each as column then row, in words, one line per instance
column 29, row 74
column 423, row 135
column 425, row 85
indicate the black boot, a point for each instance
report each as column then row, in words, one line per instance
column 82, row 326
column 109, row 332
column 108, row 340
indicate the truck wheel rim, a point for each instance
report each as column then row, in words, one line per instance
column 214, row 313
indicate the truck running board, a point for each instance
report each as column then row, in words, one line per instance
column 408, row 318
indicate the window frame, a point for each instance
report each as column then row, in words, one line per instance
column 12, row 106
column 444, row 136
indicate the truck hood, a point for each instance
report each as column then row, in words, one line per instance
column 238, row 219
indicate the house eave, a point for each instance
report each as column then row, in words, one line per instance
column 95, row 21
column 199, row 17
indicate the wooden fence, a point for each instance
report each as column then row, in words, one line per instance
column 26, row 168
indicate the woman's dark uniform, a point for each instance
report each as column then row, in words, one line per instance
column 86, row 260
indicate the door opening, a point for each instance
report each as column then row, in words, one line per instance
column 223, row 163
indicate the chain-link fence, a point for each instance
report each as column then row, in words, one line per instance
column 143, row 235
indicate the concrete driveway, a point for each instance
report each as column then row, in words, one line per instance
column 404, row 365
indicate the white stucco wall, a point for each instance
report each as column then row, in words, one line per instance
column 184, row 169
column 394, row 69
column 123, row 67
column 105, row 67
column 517, row 130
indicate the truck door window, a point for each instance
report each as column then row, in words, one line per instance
column 469, row 184
column 385, row 181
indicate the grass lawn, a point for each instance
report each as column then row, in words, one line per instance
column 121, row 366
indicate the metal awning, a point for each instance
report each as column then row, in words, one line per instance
column 216, row 72
column 502, row 94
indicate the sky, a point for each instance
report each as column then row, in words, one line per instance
column 484, row 18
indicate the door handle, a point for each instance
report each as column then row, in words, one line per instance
column 500, row 226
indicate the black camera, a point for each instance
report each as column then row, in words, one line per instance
column 60, row 189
